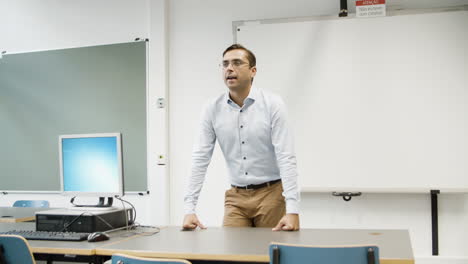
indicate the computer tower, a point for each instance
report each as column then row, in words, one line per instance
column 86, row 221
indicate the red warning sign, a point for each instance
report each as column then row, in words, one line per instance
column 370, row 2
column 370, row 8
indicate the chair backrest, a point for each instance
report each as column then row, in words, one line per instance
column 298, row 254
column 127, row 259
column 31, row 203
column 15, row 249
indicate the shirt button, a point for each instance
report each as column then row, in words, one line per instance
column 241, row 110
column 245, row 158
column 246, row 173
column 241, row 126
column 243, row 142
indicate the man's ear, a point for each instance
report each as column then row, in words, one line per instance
column 253, row 71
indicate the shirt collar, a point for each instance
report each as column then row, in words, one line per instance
column 253, row 95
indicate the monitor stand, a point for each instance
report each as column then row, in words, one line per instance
column 100, row 206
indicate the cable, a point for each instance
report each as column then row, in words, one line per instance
column 125, row 213
column 112, row 228
column 120, row 228
column 65, row 226
column 133, row 207
column 64, row 229
column 143, row 232
column 149, row 233
column 104, row 221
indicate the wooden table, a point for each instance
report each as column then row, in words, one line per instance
column 216, row 243
column 19, row 214
column 251, row 244
column 81, row 251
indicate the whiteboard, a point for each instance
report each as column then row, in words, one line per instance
column 376, row 104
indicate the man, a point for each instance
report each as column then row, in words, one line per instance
column 251, row 129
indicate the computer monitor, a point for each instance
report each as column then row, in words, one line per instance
column 91, row 165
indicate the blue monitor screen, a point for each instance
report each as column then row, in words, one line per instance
column 91, row 165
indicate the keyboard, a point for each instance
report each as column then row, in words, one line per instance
column 45, row 235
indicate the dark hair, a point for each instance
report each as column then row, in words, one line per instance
column 250, row 55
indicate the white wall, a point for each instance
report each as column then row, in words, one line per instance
column 51, row 24
column 200, row 31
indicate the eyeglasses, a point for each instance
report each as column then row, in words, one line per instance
column 233, row 63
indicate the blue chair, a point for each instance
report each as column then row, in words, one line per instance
column 15, row 249
column 299, row 254
column 31, row 203
column 127, row 259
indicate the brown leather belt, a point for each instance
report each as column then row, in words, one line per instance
column 256, row 186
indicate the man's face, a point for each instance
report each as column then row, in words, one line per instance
column 237, row 73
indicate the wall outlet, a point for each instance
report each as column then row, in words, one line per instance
column 161, row 159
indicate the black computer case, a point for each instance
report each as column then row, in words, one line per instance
column 86, row 221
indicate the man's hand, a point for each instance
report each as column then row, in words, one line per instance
column 191, row 222
column 289, row 222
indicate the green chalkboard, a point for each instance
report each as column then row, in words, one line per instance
column 99, row 89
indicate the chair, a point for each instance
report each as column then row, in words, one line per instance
column 299, row 254
column 31, row 203
column 15, row 249
column 127, row 259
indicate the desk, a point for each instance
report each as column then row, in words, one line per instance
column 19, row 214
column 251, row 244
column 54, row 250
column 216, row 243
column 82, row 251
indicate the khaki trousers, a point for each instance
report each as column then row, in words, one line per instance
column 262, row 207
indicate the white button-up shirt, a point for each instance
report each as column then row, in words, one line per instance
column 256, row 142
